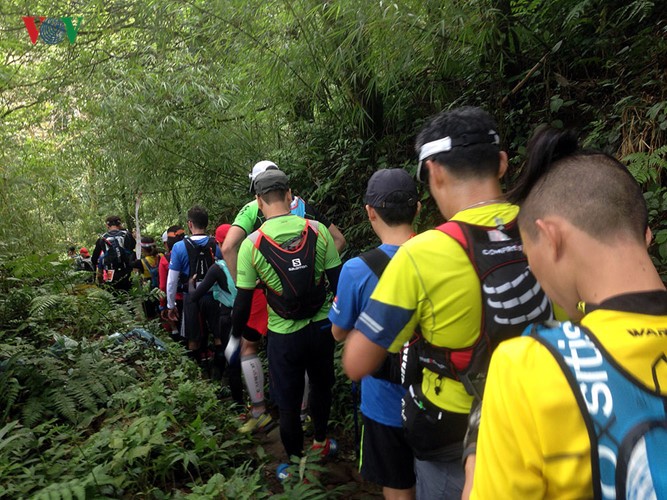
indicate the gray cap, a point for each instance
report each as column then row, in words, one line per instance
column 271, row 180
column 384, row 183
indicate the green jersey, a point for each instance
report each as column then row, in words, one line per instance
column 252, row 265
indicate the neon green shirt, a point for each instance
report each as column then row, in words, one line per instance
column 252, row 265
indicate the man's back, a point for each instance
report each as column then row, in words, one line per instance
column 431, row 285
column 252, row 264
column 561, row 403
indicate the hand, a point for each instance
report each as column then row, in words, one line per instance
column 233, row 349
column 172, row 315
column 470, row 474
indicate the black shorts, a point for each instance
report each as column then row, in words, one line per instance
column 386, row 458
column 201, row 319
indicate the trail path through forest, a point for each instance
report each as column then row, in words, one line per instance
column 341, row 470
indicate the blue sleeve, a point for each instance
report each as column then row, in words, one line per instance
column 179, row 258
column 386, row 325
column 355, row 285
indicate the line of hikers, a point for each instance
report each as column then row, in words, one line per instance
column 571, row 409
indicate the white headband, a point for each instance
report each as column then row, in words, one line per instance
column 447, row 143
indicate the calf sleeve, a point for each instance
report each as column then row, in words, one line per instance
column 253, row 374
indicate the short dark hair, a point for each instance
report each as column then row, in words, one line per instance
column 172, row 237
column 592, row 190
column 273, row 195
column 148, row 244
column 198, row 216
column 474, row 161
column 401, row 214
column 113, row 220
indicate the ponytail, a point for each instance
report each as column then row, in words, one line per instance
column 546, row 147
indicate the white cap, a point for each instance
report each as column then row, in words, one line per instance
column 164, row 237
column 259, row 168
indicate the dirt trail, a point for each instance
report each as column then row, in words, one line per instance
column 341, row 470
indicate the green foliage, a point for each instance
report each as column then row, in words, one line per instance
column 92, row 417
column 173, row 102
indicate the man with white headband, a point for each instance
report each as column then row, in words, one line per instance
column 439, row 284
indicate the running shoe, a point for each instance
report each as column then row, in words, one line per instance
column 282, row 473
column 327, row 449
column 255, row 424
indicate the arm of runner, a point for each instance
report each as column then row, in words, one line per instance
column 241, row 311
column 361, row 356
column 332, row 277
column 338, row 238
column 339, row 334
column 346, row 307
column 96, row 253
column 230, row 248
column 214, row 275
column 172, row 285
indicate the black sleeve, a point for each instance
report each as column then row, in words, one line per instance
column 314, row 214
column 213, row 275
column 332, row 276
column 130, row 245
column 99, row 247
column 241, row 311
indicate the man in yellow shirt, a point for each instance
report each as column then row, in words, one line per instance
column 583, row 225
column 432, row 286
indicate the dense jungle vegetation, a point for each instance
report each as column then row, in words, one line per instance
column 171, row 102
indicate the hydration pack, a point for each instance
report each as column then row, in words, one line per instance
column 116, row 256
column 628, row 430
column 400, row 366
column 294, row 263
column 153, row 271
column 511, row 300
column 200, row 258
column 225, row 297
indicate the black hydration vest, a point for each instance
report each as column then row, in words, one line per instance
column 294, row 262
column 511, row 297
column 400, row 366
column 200, row 258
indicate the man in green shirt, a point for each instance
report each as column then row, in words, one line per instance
column 291, row 257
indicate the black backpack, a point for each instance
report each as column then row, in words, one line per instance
column 200, row 258
column 116, row 256
column 511, row 300
column 401, row 366
column 294, row 263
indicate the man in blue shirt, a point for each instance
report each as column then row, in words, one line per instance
column 386, row 458
column 191, row 258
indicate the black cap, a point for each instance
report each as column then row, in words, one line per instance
column 271, row 180
column 389, row 181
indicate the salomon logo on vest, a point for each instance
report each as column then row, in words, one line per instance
column 296, row 265
column 52, row 30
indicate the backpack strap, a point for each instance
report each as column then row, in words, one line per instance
column 614, row 406
column 455, row 230
column 376, row 260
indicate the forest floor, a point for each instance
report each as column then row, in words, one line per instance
column 341, row 470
